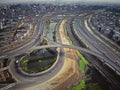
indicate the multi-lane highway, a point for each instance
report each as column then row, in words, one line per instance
column 94, row 46
column 98, row 45
column 25, row 80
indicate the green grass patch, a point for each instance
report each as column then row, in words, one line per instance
column 39, row 65
column 70, row 41
column 35, row 65
column 79, row 54
column 24, row 61
column 81, row 86
column 82, row 62
column 82, row 65
column 64, row 89
column 82, row 58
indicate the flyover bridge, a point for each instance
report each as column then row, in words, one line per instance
column 102, row 57
column 67, row 46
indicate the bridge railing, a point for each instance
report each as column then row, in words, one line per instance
column 8, row 86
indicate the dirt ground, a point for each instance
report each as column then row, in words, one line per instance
column 69, row 75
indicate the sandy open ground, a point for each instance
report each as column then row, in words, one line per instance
column 69, row 75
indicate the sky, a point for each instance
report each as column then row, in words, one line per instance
column 21, row 1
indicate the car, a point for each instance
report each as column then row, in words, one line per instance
column 17, row 61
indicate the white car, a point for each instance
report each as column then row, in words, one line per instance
column 17, row 61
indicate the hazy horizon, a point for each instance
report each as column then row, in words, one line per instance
column 58, row 1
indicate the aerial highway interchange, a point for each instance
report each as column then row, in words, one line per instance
column 101, row 55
